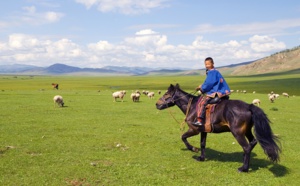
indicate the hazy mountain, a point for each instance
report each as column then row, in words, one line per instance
column 284, row 61
column 15, row 68
column 61, row 69
column 130, row 70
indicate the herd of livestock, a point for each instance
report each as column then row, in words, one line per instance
column 135, row 96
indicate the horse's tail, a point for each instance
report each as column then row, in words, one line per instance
column 264, row 134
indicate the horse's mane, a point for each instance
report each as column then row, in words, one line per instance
column 177, row 87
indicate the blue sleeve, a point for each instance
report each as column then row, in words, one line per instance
column 210, row 81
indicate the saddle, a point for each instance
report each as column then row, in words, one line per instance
column 210, row 108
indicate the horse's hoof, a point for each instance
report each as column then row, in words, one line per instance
column 241, row 169
column 200, row 158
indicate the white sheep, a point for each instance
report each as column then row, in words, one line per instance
column 135, row 96
column 285, row 94
column 150, row 95
column 119, row 94
column 256, row 102
column 58, row 100
column 272, row 98
column 145, row 92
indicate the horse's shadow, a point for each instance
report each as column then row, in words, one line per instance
column 255, row 163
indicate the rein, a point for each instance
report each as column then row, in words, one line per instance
column 184, row 96
column 186, row 113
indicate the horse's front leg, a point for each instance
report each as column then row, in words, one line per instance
column 202, row 145
column 188, row 134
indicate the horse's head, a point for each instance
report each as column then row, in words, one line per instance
column 167, row 100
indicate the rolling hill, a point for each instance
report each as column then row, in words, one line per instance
column 285, row 61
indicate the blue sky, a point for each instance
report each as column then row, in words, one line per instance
column 145, row 33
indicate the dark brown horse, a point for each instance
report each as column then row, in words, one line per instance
column 233, row 116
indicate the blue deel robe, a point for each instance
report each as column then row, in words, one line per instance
column 215, row 84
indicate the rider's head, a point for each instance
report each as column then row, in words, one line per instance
column 209, row 63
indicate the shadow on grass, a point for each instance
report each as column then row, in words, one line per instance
column 255, row 163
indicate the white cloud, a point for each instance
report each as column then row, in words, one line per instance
column 146, row 48
column 33, row 17
column 147, row 39
column 29, row 9
column 124, row 6
column 242, row 54
column 265, row 44
column 274, row 27
column 64, row 48
column 145, row 32
column 36, row 51
column 100, row 46
column 22, row 41
column 53, row 16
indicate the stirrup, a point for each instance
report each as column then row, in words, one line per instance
column 197, row 124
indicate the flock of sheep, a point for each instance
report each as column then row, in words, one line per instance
column 135, row 96
column 272, row 97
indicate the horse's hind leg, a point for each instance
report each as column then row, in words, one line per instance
column 247, row 150
column 188, row 134
column 251, row 139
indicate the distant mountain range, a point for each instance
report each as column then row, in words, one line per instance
column 284, row 61
column 62, row 69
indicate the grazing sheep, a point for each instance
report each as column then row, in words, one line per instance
column 285, row 94
column 137, row 91
column 276, row 95
column 119, row 94
column 231, row 90
column 135, row 96
column 58, row 100
column 256, row 102
column 145, row 92
column 254, row 92
column 272, row 98
column 244, row 91
column 150, row 95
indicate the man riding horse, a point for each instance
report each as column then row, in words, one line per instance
column 214, row 86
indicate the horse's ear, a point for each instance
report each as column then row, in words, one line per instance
column 171, row 88
column 177, row 85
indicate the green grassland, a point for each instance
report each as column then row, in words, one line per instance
column 95, row 141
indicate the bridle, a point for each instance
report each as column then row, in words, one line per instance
column 167, row 96
column 163, row 99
